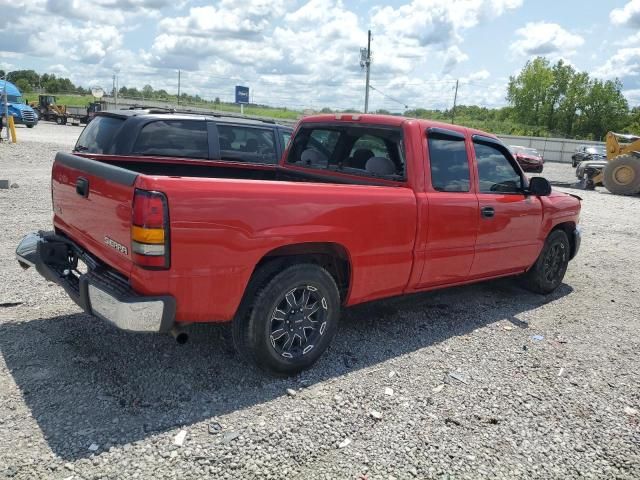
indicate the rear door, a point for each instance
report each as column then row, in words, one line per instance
column 452, row 212
column 508, row 233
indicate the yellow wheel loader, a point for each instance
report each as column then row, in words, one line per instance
column 49, row 110
column 619, row 172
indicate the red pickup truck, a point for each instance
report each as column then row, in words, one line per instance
column 360, row 207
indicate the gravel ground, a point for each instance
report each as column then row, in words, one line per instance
column 484, row 381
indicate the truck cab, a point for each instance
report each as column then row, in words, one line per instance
column 21, row 112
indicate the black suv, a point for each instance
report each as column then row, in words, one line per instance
column 159, row 133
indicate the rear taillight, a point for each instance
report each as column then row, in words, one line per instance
column 150, row 229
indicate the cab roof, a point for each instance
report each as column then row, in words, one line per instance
column 11, row 89
column 390, row 120
column 185, row 115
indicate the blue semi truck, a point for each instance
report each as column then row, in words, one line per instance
column 18, row 109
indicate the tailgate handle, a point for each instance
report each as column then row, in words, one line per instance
column 82, row 187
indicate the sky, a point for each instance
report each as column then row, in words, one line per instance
column 305, row 54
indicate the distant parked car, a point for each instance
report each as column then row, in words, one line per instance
column 528, row 158
column 587, row 152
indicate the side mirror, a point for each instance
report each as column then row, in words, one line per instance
column 539, row 186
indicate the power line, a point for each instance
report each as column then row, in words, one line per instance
column 389, row 97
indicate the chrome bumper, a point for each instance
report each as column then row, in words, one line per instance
column 100, row 291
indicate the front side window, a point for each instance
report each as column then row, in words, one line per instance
column 173, row 138
column 247, row 144
column 496, row 173
column 449, row 163
column 358, row 150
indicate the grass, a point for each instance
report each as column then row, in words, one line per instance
column 261, row 111
column 69, row 100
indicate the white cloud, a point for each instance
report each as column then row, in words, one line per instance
column 628, row 41
column 632, row 96
column 545, row 39
column 452, row 57
column 113, row 12
column 624, row 63
column 299, row 53
column 629, row 15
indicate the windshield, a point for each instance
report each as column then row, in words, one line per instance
column 11, row 98
column 525, row 151
column 596, row 150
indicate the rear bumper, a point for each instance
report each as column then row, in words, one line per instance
column 99, row 291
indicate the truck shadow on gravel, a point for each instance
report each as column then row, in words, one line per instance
column 86, row 382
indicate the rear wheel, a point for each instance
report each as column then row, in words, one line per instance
column 622, row 175
column 548, row 271
column 291, row 321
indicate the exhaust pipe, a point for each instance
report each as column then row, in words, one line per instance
column 180, row 335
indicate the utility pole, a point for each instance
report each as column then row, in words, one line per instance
column 116, row 71
column 365, row 61
column 178, row 87
column 455, row 99
column 6, row 104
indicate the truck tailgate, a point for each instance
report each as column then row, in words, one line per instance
column 92, row 204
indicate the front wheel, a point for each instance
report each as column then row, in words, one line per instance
column 291, row 322
column 30, row 126
column 548, row 271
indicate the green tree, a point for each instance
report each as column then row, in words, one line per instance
column 573, row 103
column 147, row 91
column 604, row 109
column 529, row 92
column 23, row 85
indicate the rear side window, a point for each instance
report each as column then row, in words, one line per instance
column 98, row 136
column 247, row 144
column 354, row 149
column 449, row 163
column 286, row 136
column 173, row 138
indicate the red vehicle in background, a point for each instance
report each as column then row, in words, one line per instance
column 189, row 226
column 528, row 158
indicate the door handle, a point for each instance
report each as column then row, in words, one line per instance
column 82, row 187
column 487, row 212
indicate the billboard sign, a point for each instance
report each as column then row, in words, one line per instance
column 242, row 94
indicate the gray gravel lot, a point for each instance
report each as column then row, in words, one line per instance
column 79, row 399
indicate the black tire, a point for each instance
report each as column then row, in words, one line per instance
column 258, row 333
column 622, row 175
column 30, row 126
column 59, row 120
column 548, row 271
column 574, row 162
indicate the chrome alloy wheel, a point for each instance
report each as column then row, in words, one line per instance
column 298, row 321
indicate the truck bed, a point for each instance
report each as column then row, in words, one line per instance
column 224, row 219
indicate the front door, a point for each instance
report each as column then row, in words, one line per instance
column 452, row 218
column 510, row 221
